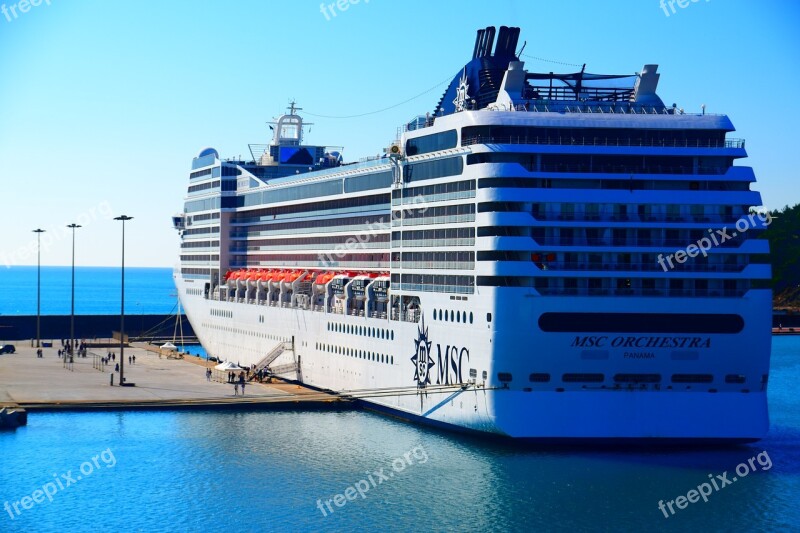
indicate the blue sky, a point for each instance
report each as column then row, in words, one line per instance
column 104, row 104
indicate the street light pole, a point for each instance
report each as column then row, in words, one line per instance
column 72, row 226
column 123, row 218
column 38, row 232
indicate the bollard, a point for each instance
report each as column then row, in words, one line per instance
column 111, row 375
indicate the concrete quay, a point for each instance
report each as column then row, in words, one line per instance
column 43, row 383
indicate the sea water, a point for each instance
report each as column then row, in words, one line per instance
column 97, row 290
column 356, row 471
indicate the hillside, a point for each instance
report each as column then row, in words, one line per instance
column 784, row 241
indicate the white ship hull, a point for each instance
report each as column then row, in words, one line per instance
column 585, row 414
column 546, row 256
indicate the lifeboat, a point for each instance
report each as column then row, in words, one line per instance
column 292, row 275
column 324, row 278
column 276, row 277
column 263, row 278
column 252, row 277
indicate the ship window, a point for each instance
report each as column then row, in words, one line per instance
column 692, row 378
column 488, row 317
column 582, row 378
column 452, row 316
column 432, row 143
column 470, row 317
column 504, row 377
column 434, row 169
column 445, row 316
column 637, row 378
column 735, row 378
column 538, row 377
column 380, row 180
column 640, row 323
column 392, row 361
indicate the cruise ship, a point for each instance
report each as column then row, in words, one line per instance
column 544, row 256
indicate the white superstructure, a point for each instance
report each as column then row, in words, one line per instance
column 513, row 265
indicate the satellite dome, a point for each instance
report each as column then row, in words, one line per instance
column 208, row 151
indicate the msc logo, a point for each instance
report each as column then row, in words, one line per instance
column 422, row 356
column 449, row 362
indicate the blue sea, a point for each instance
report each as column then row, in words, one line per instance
column 97, row 290
column 356, row 471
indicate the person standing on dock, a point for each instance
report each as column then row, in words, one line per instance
column 134, row 359
column 236, row 388
column 242, row 382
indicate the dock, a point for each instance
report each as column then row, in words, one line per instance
column 37, row 384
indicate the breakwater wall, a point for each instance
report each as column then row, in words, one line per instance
column 90, row 326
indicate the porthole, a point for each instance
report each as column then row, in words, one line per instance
column 451, row 316
column 470, row 317
column 392, row 334
column 445, row 316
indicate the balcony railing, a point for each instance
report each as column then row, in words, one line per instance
column 595, row 216
column 565, row 266
column 603, row 141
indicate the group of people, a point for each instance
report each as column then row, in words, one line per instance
column 69, row 346
column 240, row 380
column 39, row 353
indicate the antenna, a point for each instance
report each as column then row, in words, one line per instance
column 293, row 107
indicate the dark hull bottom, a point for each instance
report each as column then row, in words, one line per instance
column 560, row 443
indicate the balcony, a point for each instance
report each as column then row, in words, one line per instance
column 598, row 141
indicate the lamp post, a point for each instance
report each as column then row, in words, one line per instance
column 38, row 232
column 123, row 218
column 73, row 227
